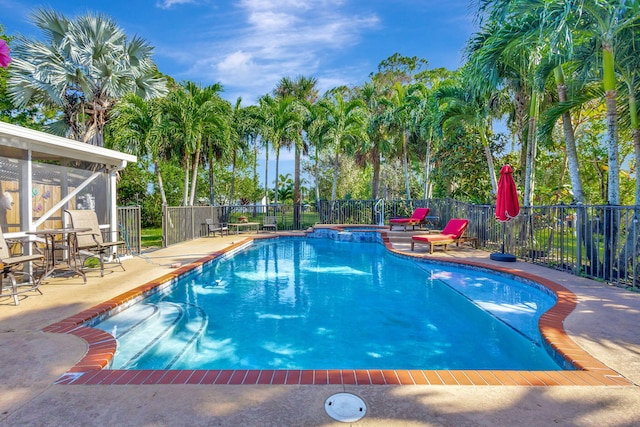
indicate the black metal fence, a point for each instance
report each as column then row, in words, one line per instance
column 600, row 242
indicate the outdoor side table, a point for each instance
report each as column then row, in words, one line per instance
column 245, row 225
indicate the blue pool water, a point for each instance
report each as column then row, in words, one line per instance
column 301, row 303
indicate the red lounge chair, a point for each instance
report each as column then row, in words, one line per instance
column 416, row 218
column 452, row 233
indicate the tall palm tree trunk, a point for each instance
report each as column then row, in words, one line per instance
column 212, row 181
column 277, row 182
column 529, row 180
column 427, row 166
column 317, row 176
column 613, row 184
column 609, row 81
column 574, row 169
column 185, row 195
column 194, row 176
column 405, row 165
column 266, row 175
column 570, row 140
column 163, row 195
column 375, row 183
column 334, row 184
column 233, row 177
column 490, row 164
column 296, row 190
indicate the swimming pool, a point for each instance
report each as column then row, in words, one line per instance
column 295, row 304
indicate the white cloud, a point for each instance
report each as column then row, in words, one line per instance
column 166, row 4
column 279, row 38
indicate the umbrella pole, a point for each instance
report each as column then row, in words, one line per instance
column 501, row 256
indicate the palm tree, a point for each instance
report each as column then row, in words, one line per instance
column 426, row 115
column 240, row 145
column 86, row 65
column 396, row 118
column 391, row 121
column 190, row 116
column 378, row 144
column 251, row 120
column 282, row 123
column 135, row 130
column 313, row 125
column 506, row 54
column 303, row 89
column 596, row 27
column 344, row 127
column 475, row 108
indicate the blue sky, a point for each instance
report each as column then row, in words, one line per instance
column 249, row 45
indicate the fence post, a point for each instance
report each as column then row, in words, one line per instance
column 634, row 254
column 580, row 217
column 164, row 226
column 193, row 222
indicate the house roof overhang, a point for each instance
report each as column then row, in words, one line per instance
column 45, row 146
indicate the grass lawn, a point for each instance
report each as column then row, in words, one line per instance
column 152, row 237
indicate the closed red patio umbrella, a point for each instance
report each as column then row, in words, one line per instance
column 507, row 207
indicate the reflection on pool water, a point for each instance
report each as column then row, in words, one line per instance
column 315, row 303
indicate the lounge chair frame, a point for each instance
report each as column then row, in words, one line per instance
column 270, row 223
column 9, row 266
column 444, row 242
column 216, row 227
column 91, row 244
column 412, row 221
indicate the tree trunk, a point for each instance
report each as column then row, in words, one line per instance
column 317, row 176
column 405, row 165
column 609, row 84
column 375, row 181
column 233, row 177
column 185, row 195
column 255, row 163
column 427, row 167
column 570, row 141
column 296, row 190
column 613, row 178
column 334, row 185
column 613, row 190
column 277, row 183
column 529, row 180
column 521, row 100
column 194, row 176
column 266, row 174
column 631, row 247
column 491, row 166
column 574, row 167
column 212, row 195
column 163, row 195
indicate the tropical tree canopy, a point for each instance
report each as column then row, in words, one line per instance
column 549, row 87
column 83, row 67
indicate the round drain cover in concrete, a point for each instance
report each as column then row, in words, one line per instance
column 345, row 407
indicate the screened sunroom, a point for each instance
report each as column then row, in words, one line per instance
column 41, row 175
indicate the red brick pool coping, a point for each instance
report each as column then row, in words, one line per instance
column 90, row 370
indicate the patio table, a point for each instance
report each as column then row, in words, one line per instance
column 67, row 242
column 244, row 225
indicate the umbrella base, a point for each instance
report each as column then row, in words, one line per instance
column 499, row 256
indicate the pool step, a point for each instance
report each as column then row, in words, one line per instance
column 182, row 340
column 154, row 333
column 402, row 239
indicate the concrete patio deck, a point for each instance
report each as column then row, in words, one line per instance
column 605, row 323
